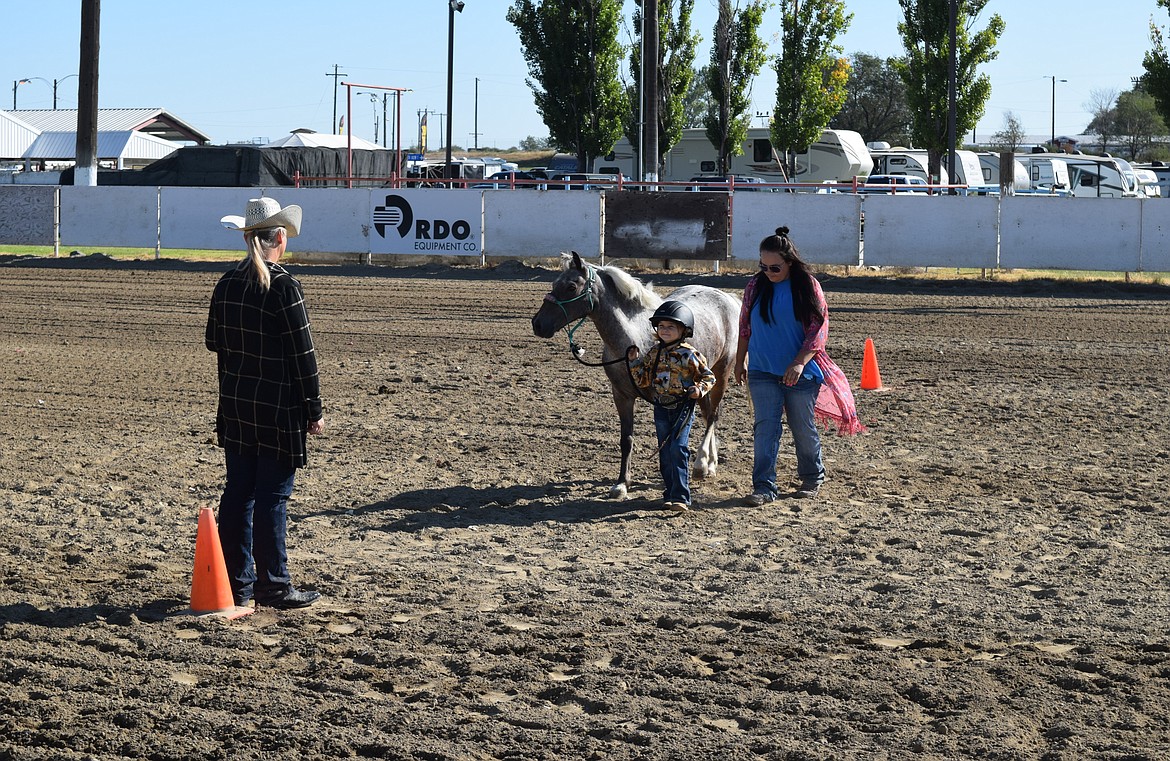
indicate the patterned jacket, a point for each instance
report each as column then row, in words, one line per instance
column 268, row 385
column 669, row 373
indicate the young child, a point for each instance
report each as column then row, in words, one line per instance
column 676, row 374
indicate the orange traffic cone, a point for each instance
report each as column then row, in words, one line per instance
column 211, row 592
column 871, row 379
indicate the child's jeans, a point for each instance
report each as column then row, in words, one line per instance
column 674, row 454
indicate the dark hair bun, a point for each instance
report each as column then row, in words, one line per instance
column 782, row 231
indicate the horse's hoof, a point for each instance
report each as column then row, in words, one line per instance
column 618, row 492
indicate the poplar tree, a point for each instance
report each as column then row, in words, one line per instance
column 925, row 34
column 811, row 74
column 737, row 56
column 1156, row 80
column 574, row 57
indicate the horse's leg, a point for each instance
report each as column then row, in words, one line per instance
column 707, row 461
column 625, row 409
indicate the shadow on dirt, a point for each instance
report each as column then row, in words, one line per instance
column 114, row 615
column 465, row 507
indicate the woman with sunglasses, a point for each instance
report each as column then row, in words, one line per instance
column 783, row 328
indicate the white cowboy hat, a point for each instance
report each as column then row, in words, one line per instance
column 263, row 213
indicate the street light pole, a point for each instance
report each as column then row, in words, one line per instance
column 452, row 7
column 1054, row 81
column 15, row 84
column 55, row 83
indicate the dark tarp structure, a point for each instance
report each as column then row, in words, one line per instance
column 239, row 166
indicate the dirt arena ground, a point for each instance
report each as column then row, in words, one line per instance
column 986, row 574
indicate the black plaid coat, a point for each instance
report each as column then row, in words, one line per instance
column 268, row 385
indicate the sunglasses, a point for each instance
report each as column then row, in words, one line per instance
column 774, row 268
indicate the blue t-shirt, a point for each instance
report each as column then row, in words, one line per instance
column 771, row 348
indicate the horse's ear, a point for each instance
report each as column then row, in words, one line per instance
column 577, row 261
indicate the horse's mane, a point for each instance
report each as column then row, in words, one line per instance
column 631, row 288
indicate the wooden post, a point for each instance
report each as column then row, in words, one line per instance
column 85, row 155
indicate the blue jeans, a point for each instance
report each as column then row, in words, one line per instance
column 253, row 520
column 770, row 398
column 674, row 453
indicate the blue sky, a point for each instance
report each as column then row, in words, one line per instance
column 258, row 70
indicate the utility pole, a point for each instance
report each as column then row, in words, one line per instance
column 952, row 114
column 336, row 76
column 475, row 123
column 650, row 90
column 85, row 156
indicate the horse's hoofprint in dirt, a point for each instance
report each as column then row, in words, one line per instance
column 983, row 576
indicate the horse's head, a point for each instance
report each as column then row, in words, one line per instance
column 570, row 298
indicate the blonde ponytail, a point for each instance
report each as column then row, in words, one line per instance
column 258, row 242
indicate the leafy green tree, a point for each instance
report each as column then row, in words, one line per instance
column 1137, row 122
column 811, row 74
column 532, row 143
column 1156, row 80
column 925, row 34
column 676, row 71
column 573, row 59
column 737, row 56
column 697, row 97
column 875, row 101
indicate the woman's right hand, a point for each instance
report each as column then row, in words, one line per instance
column 317, row 426
column 632, row 353
column 740, row 373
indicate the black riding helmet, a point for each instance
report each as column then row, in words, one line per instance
column 675, row 311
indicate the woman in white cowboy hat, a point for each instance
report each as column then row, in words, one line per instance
column 269, row 399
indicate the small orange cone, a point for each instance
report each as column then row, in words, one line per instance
column 871, row 379
column 211, row 592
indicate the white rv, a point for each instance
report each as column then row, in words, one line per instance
column 1161, row 172
column 1047, row 173
column 915, row 162
column 839, row 156
column 1084, row 176
column 989, row 163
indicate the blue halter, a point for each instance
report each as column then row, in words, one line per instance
column 587, row 293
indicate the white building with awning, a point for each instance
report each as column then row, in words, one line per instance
column 128, row 138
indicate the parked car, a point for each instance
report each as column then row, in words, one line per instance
column 503, row 181
column 721, row 183
column 894, row 183
column 581, row 181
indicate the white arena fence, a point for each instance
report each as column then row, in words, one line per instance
column 378, row 224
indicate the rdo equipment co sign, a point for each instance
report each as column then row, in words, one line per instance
column 427, row 221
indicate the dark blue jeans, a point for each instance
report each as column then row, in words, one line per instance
column 253, row 519
column 674, row 454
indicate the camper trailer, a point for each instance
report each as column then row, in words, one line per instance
column 839, row 156
column 989, row 163
column 1161, row 172
column 915, row 162
column 1047, row 173
column 1084, row 176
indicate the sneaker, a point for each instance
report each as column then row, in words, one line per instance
column 807, row 491
column 289, row 598
column 757, row 499
column 677, row 507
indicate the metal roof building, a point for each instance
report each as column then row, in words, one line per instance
column 128, row 150
column 152, row 121
column 127, row 137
